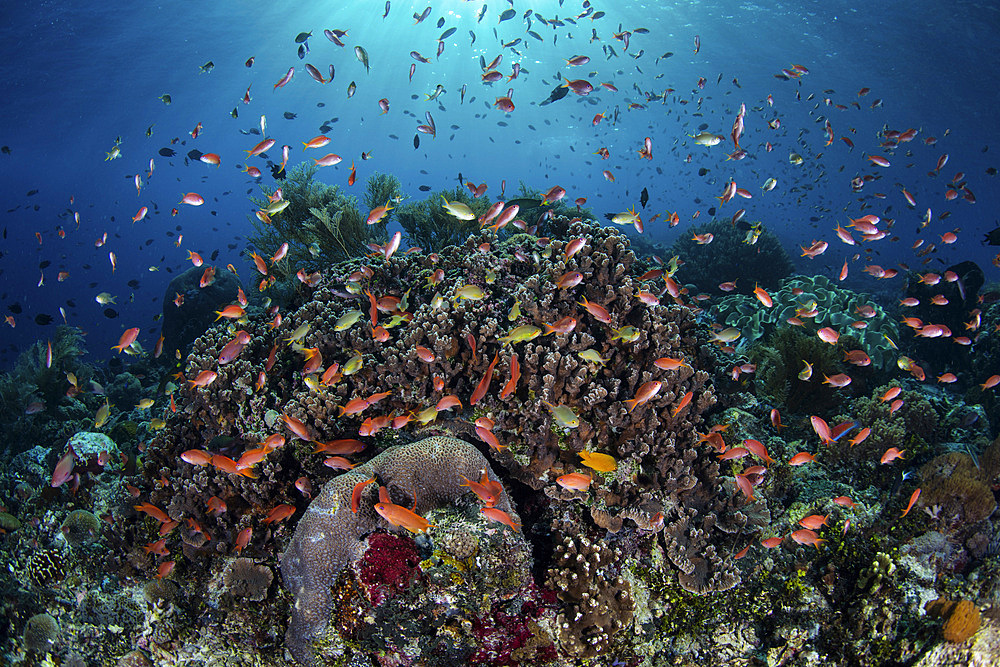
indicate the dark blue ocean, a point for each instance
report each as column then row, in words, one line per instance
column 79, row 76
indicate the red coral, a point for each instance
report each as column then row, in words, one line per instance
column 388, row 565
column 500, row 634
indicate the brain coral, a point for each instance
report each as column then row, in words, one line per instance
column 424, row 475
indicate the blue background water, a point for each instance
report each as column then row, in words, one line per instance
column 77, row 75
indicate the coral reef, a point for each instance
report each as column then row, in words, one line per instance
column 855, row 315
column 247, row 580
column 596, row 600
column 728, row 258
column 40, row 634
column 196, row 313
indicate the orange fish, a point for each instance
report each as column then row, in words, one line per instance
column 279, row 513
column 126, row 339
column 670, row 364
column 356, row 493
column 158, row 547
column 494, row 514
column 575, row 481
column 801, row 458
column 296, row 427
column 338, row 463
column 402, row 517
column 153, row 511
column 165, row 569
column 484, row 383
column 891, row 455
column 771, row 542
column 487, row 436
column 763, row 296
column 203, row 379
column 685, row 400
column 759, row 450
column 488, row 492
column 243, row 539
column 515, row 374
column 208, row 277
column 597, row 311
column 807, row 537
column 644, row 394
column 814, row 521
column 909, row 505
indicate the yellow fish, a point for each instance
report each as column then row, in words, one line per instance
column 354, row 364
column 806, row 372
column 426, row 416
column 156, row 424
column 593, row 356
column 458, row 209
column 472, row 292
column 299, row 333
column 103, row 413
column 628, row 334
column 521, row 333
column 347, row 320
column 599, row 462
column 515, row 311
column 564, row 415
column 145, row 403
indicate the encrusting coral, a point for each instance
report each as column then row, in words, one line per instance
column 330, row 536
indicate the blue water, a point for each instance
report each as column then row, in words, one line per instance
column 77, row 75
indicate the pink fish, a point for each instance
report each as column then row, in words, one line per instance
column 64, row 469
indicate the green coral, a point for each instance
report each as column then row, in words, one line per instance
column 321, row 224
column 729, row 258
column 429, row 226
column 837, row 308
column 779, row 361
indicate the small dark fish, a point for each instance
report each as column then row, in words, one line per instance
column 290, row 116
column 440, row 22
column 447, row 33
column 302, row 51
column 557, row 94
column 168, row 152
column 41, row 319
column 387, row 4
column 44, row 264
column 235, row 113
column 207, row 67
column 15, row 308
column 302, row 36
column 416, row 141
column 992, row 237
column 134, row 284
column 424, row 188
column 536, row 35
column 644, row 197
column 5, row 150
column 471, row 34
column 194, row 154
column 507, row 15
column 215, row 255
column 702, row 171
column 711, row 210
column 111, row 313
column 32, row 193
